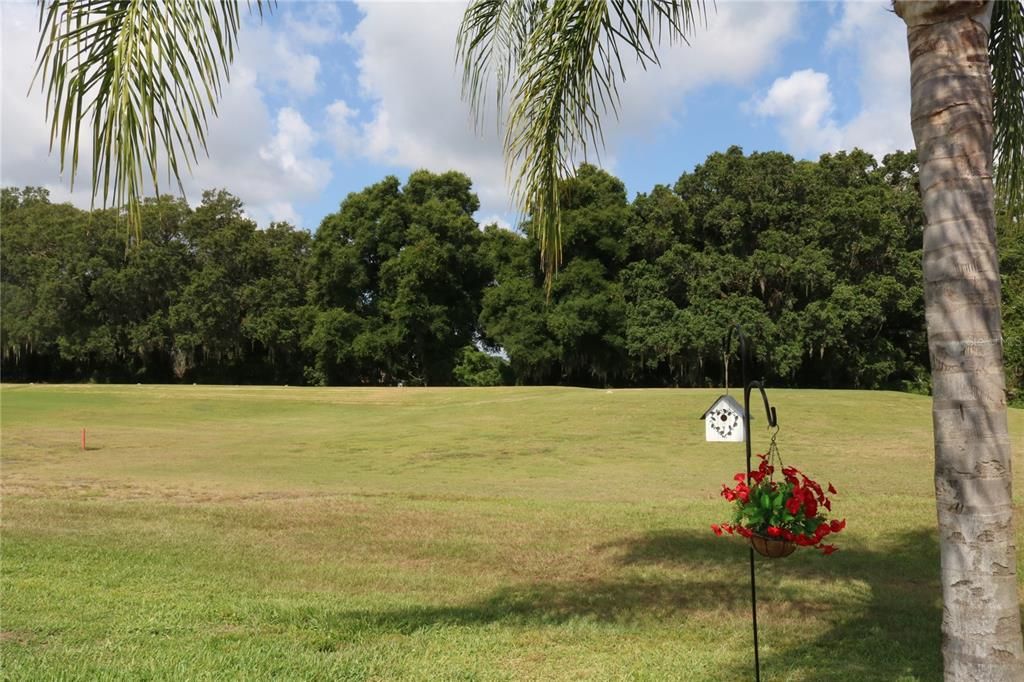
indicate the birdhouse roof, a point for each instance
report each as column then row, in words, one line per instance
column 729, row 401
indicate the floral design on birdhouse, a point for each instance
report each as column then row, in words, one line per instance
column 723, row 421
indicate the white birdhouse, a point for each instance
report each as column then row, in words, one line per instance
column 723, row 421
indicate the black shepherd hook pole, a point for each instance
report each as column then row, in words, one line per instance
column 772, row 422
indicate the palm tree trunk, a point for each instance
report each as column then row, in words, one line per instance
column 951, row 116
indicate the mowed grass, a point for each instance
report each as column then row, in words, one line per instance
column 450, row 534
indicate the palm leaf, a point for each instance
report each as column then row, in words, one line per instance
column 491, row 37
column 1006, row 52
column 146, row 74
column 564, row 64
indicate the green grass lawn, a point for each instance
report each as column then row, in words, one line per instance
column 450, row 534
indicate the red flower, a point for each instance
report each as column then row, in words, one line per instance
column 814, row 486
column 764, row 468
column 793, row 505
column 774, row 531
column 717, row 529
column 810, row 506
column 837, row 526
column 832, row 490
column 745, row 532
column 828, row 549
column 740, row 477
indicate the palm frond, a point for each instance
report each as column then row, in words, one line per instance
column 146, row 74
column 491, row 37
column 563, row 63
column 1006, row 52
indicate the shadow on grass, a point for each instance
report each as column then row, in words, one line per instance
column 885, row 626
column 892, row 633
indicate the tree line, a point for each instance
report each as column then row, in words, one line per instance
column 818, row 260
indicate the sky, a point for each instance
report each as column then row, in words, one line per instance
column 326, row 98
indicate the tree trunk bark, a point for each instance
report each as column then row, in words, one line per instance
column 951, row 116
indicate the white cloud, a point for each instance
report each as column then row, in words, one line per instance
column 407, row 67
column 877, row 40
column 501, row 221
column 280, row 60
column 282, row 212
column 803, row 104
column 289, row 150
column 24, row 133
column 320, row 25
column 742, row 40
column 341, row 129
column 267, row 158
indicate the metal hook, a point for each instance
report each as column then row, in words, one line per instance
column 769, row 410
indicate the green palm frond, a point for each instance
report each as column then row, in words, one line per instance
column 145, row 73
column 491, row 37
column 1006, row 52
column 564, row 64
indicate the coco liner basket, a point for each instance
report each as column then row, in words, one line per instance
column 779, row 516
column 771, row 547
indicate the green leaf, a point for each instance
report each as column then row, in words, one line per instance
column 146, row 74
column 1006, row 53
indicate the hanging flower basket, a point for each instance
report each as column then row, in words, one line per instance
column 779, row 516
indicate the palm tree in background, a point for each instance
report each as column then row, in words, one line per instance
column 143, row 77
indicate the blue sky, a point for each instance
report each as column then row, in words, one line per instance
column 328, row 97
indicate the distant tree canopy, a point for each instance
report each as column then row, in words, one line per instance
column 820, row 262
column 396, row 280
